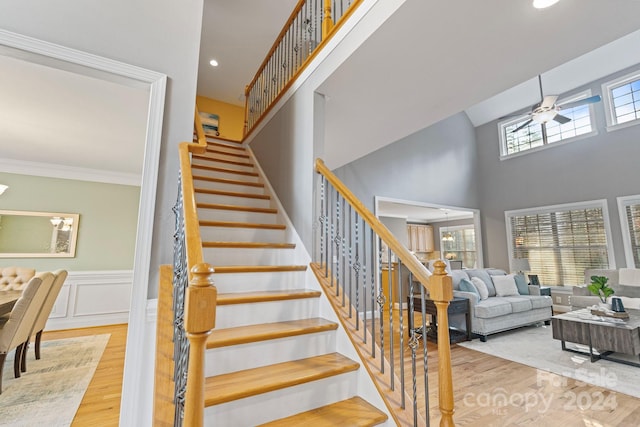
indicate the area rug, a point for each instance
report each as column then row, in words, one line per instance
column 534, row 346
column 51, row 390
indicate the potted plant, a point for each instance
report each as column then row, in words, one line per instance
column 599, row 288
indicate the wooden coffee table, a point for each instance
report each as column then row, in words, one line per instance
column 603, row 334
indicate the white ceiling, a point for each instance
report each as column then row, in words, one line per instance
column 77, row 120
column 428, row 61
column 419, row 212
column 431, row 60
column 238, row 34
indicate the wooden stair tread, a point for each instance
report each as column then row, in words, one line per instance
column 265, row 296
column 249, row 245
column 229, row 162
column 257, row 268
column 227, row 153
column 234, row 224
column 236, row 208
column 238, row 385
column 228, row 181
column 224, row 170
column 267, row 331
column 354, row 412
column 218, row 145
column 232, row 193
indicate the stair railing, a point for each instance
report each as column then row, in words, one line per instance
column 194, row 294
column 309, row 27
column 353, row 249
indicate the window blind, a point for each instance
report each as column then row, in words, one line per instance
column 561, row 244
column 633, row 220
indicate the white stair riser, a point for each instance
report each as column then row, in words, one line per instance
column 224, row 175
column 240, row 216
column 233, row 358
column 237, row 234
column 228, row 155
column 257, row 282
column 217, row 164
column 233, row 200
column 277, row 404
column 242, row 256
column 230, row 316
column 224, row 186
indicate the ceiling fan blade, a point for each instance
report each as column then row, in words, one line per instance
column 561, row 119
column 548, row 101
column 590, row 100
column 525, row 124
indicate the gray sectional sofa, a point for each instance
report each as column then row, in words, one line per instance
column 501, row 313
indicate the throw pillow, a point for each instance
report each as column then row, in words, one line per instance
column 467, row 286
column 505, row 285
column 521, row 284
column 481, row 287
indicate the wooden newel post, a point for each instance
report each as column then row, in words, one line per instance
column 441, row 292
column 199, row 320
column 327, row 22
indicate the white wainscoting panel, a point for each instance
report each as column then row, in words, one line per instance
column 92, row 298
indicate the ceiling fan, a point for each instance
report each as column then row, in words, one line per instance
column 547, row 109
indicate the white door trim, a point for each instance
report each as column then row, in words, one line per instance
column 105, row 68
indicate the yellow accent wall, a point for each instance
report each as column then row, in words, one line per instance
column 231, row 125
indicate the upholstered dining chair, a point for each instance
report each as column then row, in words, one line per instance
column 59, row 277
column 15, row 330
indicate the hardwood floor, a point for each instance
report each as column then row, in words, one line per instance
column 494, row 392
column 489, row 391
column 101, row 403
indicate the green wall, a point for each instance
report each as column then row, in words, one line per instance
column 108, row 219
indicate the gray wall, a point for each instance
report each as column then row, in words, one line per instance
column 159, row 35
column 604, row 166
column 397, row 227
column 435, row 165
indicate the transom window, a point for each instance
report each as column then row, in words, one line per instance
column 622, row 97
column 516, row 138
column 629, row 208
column 561, row 241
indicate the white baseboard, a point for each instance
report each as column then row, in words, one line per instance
column 92, row 298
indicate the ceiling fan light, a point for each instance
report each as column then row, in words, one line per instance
column 544, row 116
column 541, row 4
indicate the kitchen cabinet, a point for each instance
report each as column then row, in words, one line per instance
column 420, row 237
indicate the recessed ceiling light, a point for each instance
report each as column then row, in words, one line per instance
column 541, row 4
column 213, row 63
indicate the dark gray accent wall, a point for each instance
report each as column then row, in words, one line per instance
column 435, row 165
column 604, row 166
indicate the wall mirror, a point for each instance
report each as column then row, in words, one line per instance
column 38, row 234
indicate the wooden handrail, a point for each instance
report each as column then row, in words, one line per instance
column 439, row 286
column 327, row 31
column 201, row 294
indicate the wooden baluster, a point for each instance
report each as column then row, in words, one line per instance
column 199, row 320
column 441, row 292
column 327, row 22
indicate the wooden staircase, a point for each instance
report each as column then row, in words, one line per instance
column 272, row 359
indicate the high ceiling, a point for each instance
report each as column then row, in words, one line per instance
column 238, row 34
column 426, row 62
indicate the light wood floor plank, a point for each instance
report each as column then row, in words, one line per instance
column 101, row 403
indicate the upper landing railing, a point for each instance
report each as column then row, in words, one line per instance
column 309, row 27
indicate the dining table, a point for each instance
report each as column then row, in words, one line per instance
column 8, row 300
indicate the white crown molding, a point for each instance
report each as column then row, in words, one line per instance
column 51, row 170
